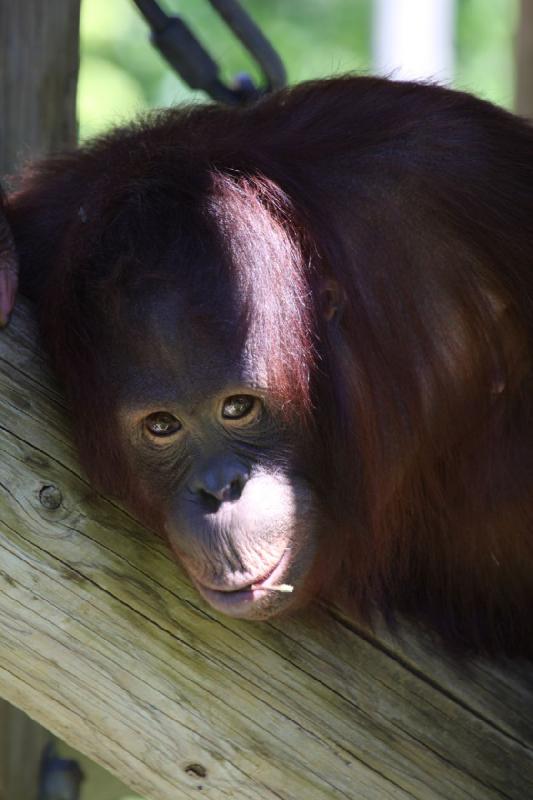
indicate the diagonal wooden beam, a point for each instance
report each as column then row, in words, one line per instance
column 105, row 642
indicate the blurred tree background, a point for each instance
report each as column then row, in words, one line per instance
column 121, row 73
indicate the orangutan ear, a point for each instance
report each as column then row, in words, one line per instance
column 8, row 272
column 513, row 360
column 332, row 299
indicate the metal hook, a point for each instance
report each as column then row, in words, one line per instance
column 179, row 46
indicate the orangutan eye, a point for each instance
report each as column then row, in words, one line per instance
column 161, row 423
column 238, row 406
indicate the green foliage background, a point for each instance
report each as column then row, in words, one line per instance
column 121, row 73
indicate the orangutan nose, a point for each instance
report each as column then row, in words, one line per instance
column 219, row 482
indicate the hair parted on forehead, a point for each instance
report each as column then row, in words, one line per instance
column 271, row 274
column 228, row 240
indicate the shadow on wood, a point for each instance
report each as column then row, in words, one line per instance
column 104, row 641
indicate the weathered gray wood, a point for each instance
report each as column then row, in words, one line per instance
column 38, row 74
column 105, row 642
column 524, row 60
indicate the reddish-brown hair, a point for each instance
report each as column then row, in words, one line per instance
column 416, row 401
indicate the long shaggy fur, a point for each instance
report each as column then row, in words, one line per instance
column 416, row 404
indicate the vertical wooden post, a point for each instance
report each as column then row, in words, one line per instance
column 524, row 60
column 21, row 744
column 39, row 43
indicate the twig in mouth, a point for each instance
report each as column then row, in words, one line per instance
column 281, row 587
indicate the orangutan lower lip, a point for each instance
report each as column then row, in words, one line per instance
column 225, row 599
column 256, row 583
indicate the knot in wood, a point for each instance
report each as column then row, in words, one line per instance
column 50, row 497
column 196, row 770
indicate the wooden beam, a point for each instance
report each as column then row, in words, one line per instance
column 39, row 43
column 524, row 60
column 105, row 642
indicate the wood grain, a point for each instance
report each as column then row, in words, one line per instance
column 39, row 43
column 104, row 641
column 524, row 60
